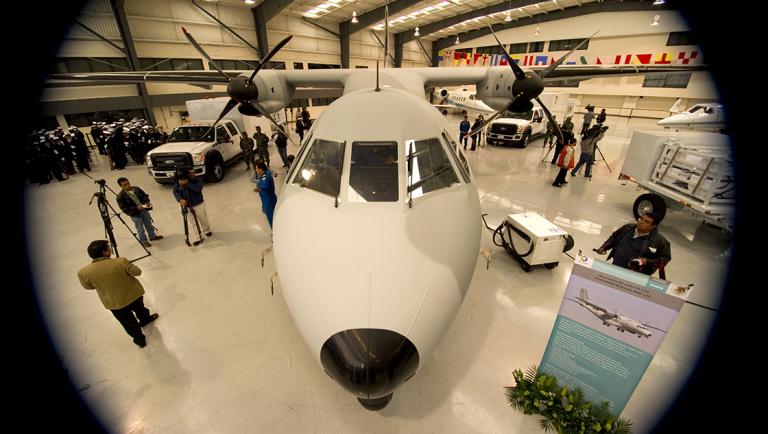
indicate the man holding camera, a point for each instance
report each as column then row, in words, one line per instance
column 134, row 202
column 639, row 247
column 188, row 191
column 588, row 142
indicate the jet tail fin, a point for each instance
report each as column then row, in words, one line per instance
column 583, row 294
column 676, row 106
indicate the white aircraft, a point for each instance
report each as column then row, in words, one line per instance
column 377, row 227
column 622, row 323
column 461, row 100
column 710, row 116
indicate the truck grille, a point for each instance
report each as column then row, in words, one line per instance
column 504, row 129
column 171, row 161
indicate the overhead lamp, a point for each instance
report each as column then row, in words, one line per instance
column 354, row 17
column 656, row 20
column 250, row 2
column 508, row 18
column 538, row 31
column 416, row 33
column 658, row 2
column 457, row 40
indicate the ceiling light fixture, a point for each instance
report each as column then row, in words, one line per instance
column 508, row 18
column 457, row 40
column 250, row 2
column 656, row 20
column 658, row 2
column 354, row 17
column 416, row 33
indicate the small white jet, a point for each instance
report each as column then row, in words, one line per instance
column 377, row 226
column 709, row 116
column 622, row 323
column 461, row 100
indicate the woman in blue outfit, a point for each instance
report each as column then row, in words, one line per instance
column 265, row 186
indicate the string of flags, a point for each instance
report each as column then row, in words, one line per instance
column 461, row 58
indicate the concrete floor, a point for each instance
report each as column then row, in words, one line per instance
column 224, row 356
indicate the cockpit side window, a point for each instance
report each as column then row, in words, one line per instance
column 458, row 157
column 302, row 148
column 321, row 169
column 373, row 172
column 428, row 167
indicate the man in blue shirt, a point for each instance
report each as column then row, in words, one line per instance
column 463, row 131
column 265, row 186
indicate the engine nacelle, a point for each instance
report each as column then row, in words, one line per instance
column 274, row 93
column 496, row 88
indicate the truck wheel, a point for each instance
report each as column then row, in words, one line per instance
column 215, row 170
column 650, row 202
column 526, row 138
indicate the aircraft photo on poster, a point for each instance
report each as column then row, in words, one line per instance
column 615, row 313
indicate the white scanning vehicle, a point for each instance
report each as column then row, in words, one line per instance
column 688, row 170
column 187, row 147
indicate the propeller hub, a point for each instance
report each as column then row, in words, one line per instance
column 529, row 87
column 242, row 90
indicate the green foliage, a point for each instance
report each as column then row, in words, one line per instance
column 565, row 411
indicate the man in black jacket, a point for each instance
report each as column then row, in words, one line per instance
column 639, row 246
column 134, row 202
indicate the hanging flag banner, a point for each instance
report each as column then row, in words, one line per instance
column 610, row 324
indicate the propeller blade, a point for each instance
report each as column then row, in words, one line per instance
column 264, row 61
column 551, row 119
column 519, row 73
column 201, row 51
column 266, row 114
column 230, row 105
column 493, row 116
column 559, row 61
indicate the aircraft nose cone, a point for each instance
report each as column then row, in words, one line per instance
column 370, row 363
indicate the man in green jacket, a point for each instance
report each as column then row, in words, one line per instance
column 114, row 279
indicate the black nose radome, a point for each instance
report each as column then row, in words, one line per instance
column 370, row 363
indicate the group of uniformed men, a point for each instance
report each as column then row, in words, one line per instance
column 54, row 154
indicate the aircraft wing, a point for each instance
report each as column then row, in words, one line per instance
column 338, row 78
column 655, row 328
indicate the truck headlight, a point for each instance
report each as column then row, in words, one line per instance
column 198, row 158
column 149, row 162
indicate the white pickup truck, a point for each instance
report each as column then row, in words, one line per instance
column 187, row 147
column 517, row 128
column 208, row 155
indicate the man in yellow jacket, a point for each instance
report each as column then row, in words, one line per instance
column 114, row 279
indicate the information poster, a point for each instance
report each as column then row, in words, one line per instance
column 610, row 324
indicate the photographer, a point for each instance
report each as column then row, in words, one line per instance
column 588, row 142
column 639, row 247
column 134, row 202
column 188, row 191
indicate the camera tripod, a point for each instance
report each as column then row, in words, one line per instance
column 602, row 157
column 104, row 207
column 184, row 210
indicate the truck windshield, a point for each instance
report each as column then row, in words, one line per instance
column 191, row 134
column 524, row 115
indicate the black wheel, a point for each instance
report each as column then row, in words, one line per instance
column 215, row 170
column 650, row 202
column 525, row 140
column 526, row 266
column 551, row 265
column 375, row 404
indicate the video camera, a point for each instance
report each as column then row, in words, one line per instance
column 101, row 182
column 182, row 173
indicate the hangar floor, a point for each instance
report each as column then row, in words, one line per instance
column 224, row 356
